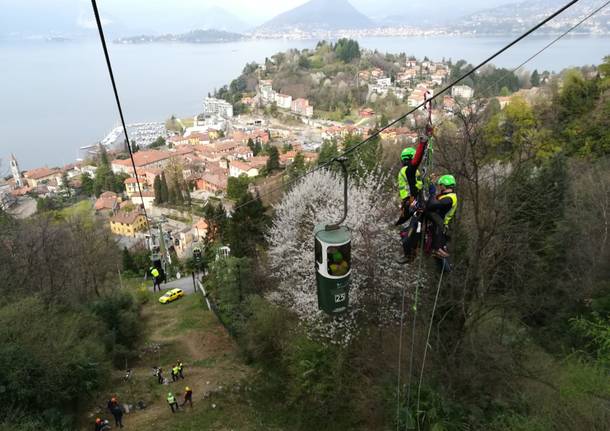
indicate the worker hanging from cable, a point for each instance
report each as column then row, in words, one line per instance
column 410, row 188
column 440, row 209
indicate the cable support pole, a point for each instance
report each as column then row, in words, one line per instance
column 118, row 102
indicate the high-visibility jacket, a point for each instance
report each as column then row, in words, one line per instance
column 403, row 183
column 454, row 201
column 176, row 370
column 155, row 272
column 171, row 399
column 339, row 269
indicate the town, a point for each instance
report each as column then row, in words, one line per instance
column 209, row 154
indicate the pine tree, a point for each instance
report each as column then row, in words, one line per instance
column 158, row 193
column 128, row 262
column 535, row 78
column 164, row 189
column 274, row 159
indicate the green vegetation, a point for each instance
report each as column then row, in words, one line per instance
column 63, row 323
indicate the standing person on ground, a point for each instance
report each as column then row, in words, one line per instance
column 175, row 373
column 159, row 374
column 156, row 275
column 188, row 397
column 441, row 209
column 180, row 368
column 117, row 411
column 173, row 404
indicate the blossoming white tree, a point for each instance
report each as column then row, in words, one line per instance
column 376, row 280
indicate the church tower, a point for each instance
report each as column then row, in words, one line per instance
column 15, row 171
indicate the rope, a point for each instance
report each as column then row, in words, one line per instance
column 118, row 102
column 402, row 315
column 421, row 373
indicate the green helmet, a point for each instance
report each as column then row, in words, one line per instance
column 407, row 153
column 447, row 180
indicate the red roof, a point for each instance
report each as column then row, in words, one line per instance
column 39, row 173
column 144, row 158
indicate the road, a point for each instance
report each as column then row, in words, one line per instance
column 185, row 283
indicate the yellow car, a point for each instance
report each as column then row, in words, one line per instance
column 171, row 295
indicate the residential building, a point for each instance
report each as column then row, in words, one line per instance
column 366, row 113
column 283, row 101
column 302, row 107
column 131, row 186
column 127, row 223
column 142, row 159
column 463, row 91
column 265, row 88
column 201, row 230
column 38, row 176
column 212, row 182
column 213, row 106
column 108, row 201
column 148, row 200
column 238, row 168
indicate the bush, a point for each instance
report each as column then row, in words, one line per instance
column 120, row 314
column 50, row 358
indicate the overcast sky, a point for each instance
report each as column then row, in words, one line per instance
column 28, row 15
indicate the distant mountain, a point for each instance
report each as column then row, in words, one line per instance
column 517, row 17
column 195, row 36
column 319, row 15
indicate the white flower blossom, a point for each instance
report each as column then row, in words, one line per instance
column 375, row 278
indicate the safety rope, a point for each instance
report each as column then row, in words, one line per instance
column 118, row 103
column 398, row 389
column 421, row 373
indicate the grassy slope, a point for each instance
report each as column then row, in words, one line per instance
column 185, row 331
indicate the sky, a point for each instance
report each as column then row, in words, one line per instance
column 30, row 16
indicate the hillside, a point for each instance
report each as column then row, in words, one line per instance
column 195, row 36
column 319, row 15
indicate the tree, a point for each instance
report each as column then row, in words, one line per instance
column 87, row 184
column 128, row 262
column 315, row 200
column 328, row 151
column 237, row 187
column 535, row 78
column 164, row 189
column 273, row 163
column 159, row 142
column 347, row 50
column 246, row 227
column 158, row 190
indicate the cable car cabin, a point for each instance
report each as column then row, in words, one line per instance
column 333, row 267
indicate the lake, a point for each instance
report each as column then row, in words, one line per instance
column 56, row 97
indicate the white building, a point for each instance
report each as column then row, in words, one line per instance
column 283, row 101
column 463, row 91
column 222, row 108
column 238, row 168
column 265, row 88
